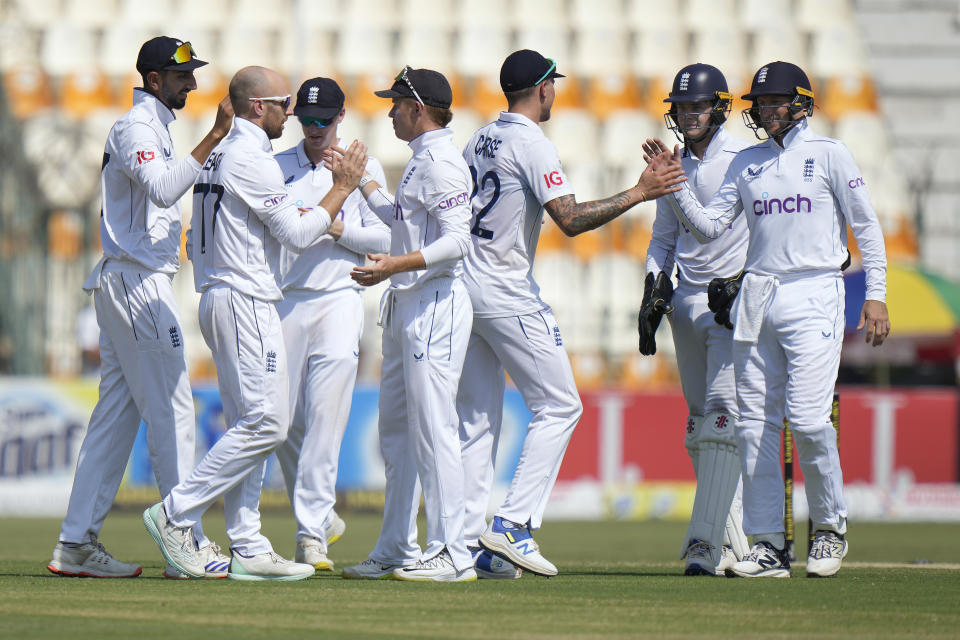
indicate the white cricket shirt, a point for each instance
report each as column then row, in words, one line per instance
column 431, row 210
column 797, row 200
column 326, row 264
column 515, row 171
column 672, row 243
column 141, row 183
column 238, row 202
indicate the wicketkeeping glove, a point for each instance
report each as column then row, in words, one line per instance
column 720, row 295
column 657, row 293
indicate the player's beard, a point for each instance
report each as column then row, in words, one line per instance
column 173, row 100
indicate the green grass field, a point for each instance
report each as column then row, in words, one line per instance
column 617, row 579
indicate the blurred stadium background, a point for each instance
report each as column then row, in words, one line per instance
column 886, row 82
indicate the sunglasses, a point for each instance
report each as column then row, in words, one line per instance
column 183, row 53
column 319, row 122
column 553, row 65
column 283, row 101
column 402, row 76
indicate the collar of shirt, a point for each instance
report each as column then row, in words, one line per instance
column 517, row 118
column 799, row 133
column 246, row 129
column 305, row 161
column 429, row 139
column 717, row 143
column 163, row 113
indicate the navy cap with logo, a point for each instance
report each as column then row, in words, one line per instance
column 526, row 68
column 423, row 85
column 319, row 98
column 167, row 54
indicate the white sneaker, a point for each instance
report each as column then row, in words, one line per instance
column 727, row 559
column 491, row 567
column 176, row 544
column 310, row 552
column 517, row 546
column 89, row 560
column 369, row 569
column 267, row 566
column 826, row 553
column 699, row 559
column 763, row 561
column 335, row 529
column 439, row 568
column 216, row 564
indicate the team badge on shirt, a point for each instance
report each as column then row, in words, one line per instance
column 808, row 166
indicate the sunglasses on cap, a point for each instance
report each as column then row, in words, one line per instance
column 283, row 101
column 183, row 53
column 553, row 66
column 319, row 122
column 402, row 76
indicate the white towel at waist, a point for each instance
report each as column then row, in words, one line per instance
column 755, row 295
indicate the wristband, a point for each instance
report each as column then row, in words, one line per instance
column 364, row 181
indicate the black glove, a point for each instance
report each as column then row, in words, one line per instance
column 656, row 302
column 720, row 295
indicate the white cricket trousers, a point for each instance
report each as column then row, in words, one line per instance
column 704, row 353
column 791, row 372
column 425, row 338
column 244, row 335
column 143, row 374
column 322, row 335
column 530, row 349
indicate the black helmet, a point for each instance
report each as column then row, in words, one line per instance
column 779, row 78
column 695, row 83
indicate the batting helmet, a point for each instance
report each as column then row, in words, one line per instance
column 779, row 79
column 695, row 83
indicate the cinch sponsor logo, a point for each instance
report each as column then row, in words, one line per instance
column 856, row 182
column 144, row 156
column 273, row 201
column 553, row 179
column 460, row 198
column 792, row 204
column 487, row 147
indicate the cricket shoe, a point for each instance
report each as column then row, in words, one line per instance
column 699, row 559
column 727, row 559
column 216, row 565
column 516, row 545
column 439, row 568
column 176, row 543
column 310, row 552
column 267, row 566
column 369, row 569
column 89, row 560
column 826, row 553
column 491, row 567
column 763, row 561
column 335, row 529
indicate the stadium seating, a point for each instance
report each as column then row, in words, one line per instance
column 68, row 69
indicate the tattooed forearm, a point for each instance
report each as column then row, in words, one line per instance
column 576, row 217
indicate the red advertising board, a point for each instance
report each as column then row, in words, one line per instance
column 635, row 436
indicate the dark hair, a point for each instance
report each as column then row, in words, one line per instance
column 513, row 97
column 441, row 116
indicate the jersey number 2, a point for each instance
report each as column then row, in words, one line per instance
column 205, row 188
column 489, row 176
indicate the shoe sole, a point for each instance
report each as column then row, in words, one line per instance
column 697, row 570
column 205, row 577
column 486, row 575
column 504, row 554
column 157, row 538
column 472, row 578
column 323, row 566
column 777, row 573
column 386, row 576
column 85, row 574
column 259, row 578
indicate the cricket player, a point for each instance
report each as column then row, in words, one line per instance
column 239, row 200
column 699, row 105
column 798, row 191
column 143, row 373
column 426, row 315
column 321, row 315
column 516, row 176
